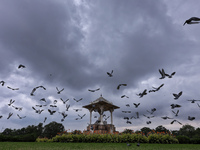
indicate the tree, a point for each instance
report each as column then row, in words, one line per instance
column 187, row 130
column 161, row 129
column 145, row 130
column 51, row 129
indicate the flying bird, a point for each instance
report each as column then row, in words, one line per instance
column 20, row 116
column 175, row 106
column 21, row 66
column 124, row 96
column 148, row 116
column 148, row 122
column 78, row 99
column 193, row 101
column 39, row 111
column 11, row 102
column 176, row 96
column 59, row 91
column 9, row 115
column 94, row 90
column 17, row 108
column 152, row 110
column 191, row 118
column 156, row 89
column 176, row 121
column 81, row 117
column 166, row 117
column 170, row 76
column 43, row 99
column 192, row 20
column 12, row 88
column 136, row 105
column 45, row 119
column 110, row 73
column 51, row 111
column 176, row 113
column 67, row 107
column 2, row 83
column 126, row 111
column 162, row 72
column 64, row 101
column 128, row 122
column 76, row 110
column 143, row 93
column 118, row 87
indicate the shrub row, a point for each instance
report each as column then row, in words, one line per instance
column 186, row 140
column 18, row 138
column 111, row 138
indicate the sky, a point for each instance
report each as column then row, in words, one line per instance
column 72, row 44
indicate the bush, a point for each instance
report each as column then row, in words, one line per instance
column 183, row 139
column 195, row 140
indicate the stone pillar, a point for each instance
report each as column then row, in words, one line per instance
column 90, row 116
column 111, row 117
column 101, row 114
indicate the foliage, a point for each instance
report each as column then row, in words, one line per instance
column 187, row 130
column 51, row 129
column 183, row 139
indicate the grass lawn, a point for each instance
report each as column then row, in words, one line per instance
column 93, row 146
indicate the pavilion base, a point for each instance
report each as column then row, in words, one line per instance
column 102, row 129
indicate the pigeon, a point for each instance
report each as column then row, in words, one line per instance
column 176, row 96
column 143, row 93
column 9, row 115
column 51, row 111
column 137, row 113
column 18, row 108
column 107, row 118
column 152, row 110
column 193, row 101
column 148, row 122
column 11, row 102
column 190, row 21
column 63, row 114
column 1, row 116
column 170, row 76
column 67, row 107
column 175, row 106
column 126, row 111
column 138, row 144
column 45, row 119
column 176, row 121
column 53, row 106
column 81, row 117
column 34, row 89
column 78, row 99
column 136, row 105
column 59, row 91
column 94, row 90
column 38, row 110
column 118, row 87
column 156, row 89
column 176, row 113
column 127, row 105
column 166, row 117
column 21, row 117
column 126, row 118
column 43, row 99
column 2, row 83
column 64, row 101
column 55, row 101
column 198, row 105
column 128, row 144
column 110, row 73
column 124, row 96
column 128, row 122
column 76, row 110
column 21, row 66
column 148, row 116
column 162, row 72
column 12, row 88
column 191, row 118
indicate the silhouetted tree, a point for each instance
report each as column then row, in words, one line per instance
column 51, row 129
column 161, row 129
column 145, row 130
column 187, row 130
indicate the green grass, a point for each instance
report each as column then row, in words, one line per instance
column 93, row 146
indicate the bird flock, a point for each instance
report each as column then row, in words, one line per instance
column 43, row 104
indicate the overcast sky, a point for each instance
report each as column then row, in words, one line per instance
column 73, row 44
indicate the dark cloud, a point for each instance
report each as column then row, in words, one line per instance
column 73, row 44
